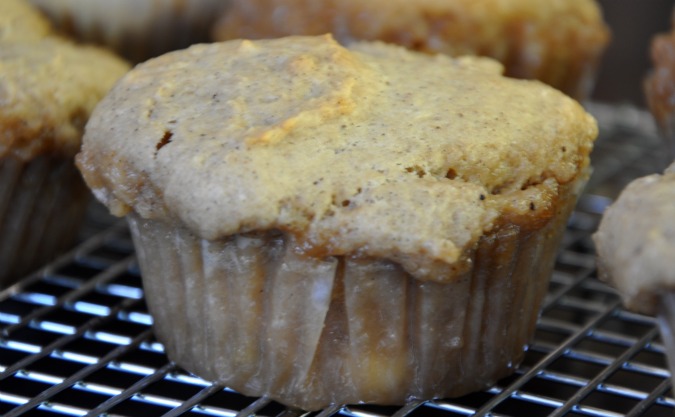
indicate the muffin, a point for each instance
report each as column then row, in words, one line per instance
column 47, row 91
column 136, row 29
column 321, row 225
column 559, row 42
column 635, row 244
column 19, row 21
column 640, row 267
column 659, row 87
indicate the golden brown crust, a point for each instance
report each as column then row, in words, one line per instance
column 21, row 22
column 559, row 42
column 308, row 137
column 47, row 90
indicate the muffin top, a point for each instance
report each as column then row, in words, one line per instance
column 21, row 22
column 371, row 150
column 47, row 91
column 636, row 241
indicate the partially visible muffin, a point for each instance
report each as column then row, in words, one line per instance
column 636, row 242
column 559, row 42
column 659, row 86
column 47, row 91
column 136, row 29
column 19, row 21
column 636, row 246
column 320, row 224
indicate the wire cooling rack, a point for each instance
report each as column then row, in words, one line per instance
column 76, row 337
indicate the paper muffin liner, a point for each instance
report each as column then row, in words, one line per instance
column 136, row 29
column 42, row 204
column 251, row 313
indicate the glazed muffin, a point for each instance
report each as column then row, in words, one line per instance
column 47, row 91
column 322, row 225
column 19, row 21
column 635, row 244
column 636, row 241
column 659, row 87
column 136, row 29
column 559, row 42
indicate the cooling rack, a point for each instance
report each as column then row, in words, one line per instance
column 76, row 337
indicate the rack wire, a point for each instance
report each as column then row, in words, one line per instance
column 76, row 337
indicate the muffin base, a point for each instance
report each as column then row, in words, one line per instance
column 250, row 312
column 42, row 205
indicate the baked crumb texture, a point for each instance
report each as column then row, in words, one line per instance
column 324, row 224
column 559, row 42
column 47, row 91
column 636, row 241
column 338, row 147
column 21, row 22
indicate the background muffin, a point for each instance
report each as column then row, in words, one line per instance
column 636, row 240
column 137, row 29
column 323, row 225
column 659, row 87
column 47, row 90
column 19, row 21
column 559, row 42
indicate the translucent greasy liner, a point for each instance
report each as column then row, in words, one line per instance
column 250, row 312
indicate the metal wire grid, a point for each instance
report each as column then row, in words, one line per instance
column 76, row 336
